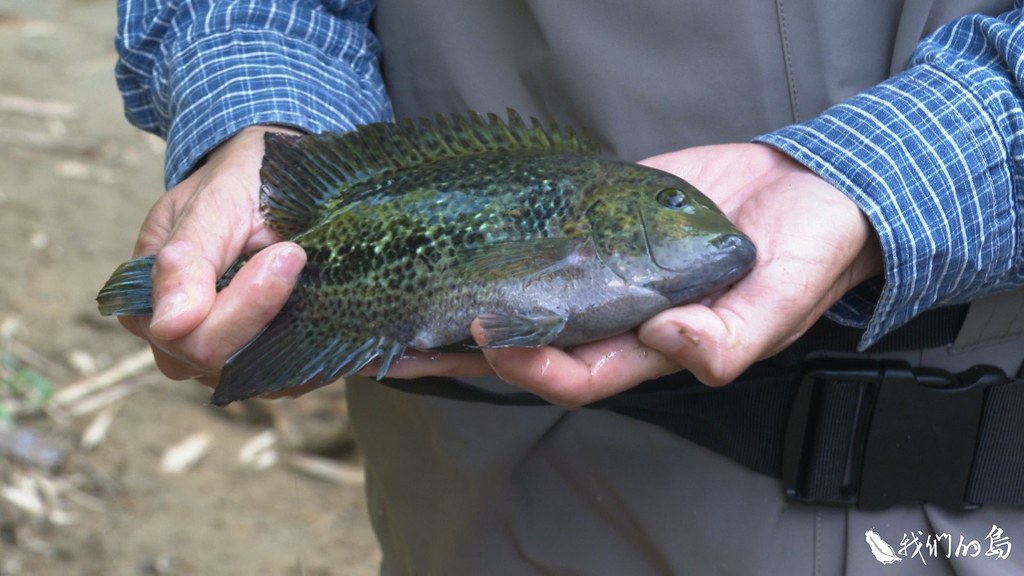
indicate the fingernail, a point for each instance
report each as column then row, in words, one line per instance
column 671, row 335
column 168, row 307
column 288, row 262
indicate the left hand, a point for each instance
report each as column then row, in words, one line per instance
column 814, row 244
column 196, row 230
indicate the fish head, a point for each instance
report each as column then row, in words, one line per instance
column 658, row 231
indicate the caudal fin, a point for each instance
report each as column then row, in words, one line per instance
column 129, row 291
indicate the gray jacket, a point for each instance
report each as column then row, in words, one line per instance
column 459, row 488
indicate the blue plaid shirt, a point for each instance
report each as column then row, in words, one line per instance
column 934, row 156
column 197, row 72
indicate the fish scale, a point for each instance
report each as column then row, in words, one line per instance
column 414, row 229
column 379, row 261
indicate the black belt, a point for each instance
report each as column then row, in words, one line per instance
column 841, row 431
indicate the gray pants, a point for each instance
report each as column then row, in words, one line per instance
column 463, row 488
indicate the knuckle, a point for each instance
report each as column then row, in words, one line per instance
column 716, row 379
column 722, row 370
column 173, row 368
column 205, row 355
column 171, row 256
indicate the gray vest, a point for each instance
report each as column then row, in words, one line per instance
column 639, row 77
column 470, row 488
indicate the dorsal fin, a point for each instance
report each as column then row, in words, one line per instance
column 302, row 173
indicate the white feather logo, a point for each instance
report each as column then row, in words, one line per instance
column 880, row 548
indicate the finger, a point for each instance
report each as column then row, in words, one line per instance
column 184, row 290
column 271, row 275
column 418, row 364
column 175, row 368
column 582, row 375
column 716, row 346
column 215, row 218
column 169, row 364
column 255, row 295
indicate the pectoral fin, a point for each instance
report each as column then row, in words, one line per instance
column 531, row 330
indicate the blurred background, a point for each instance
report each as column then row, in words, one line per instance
column 105, row 466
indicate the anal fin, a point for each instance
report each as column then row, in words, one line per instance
column 290, row 353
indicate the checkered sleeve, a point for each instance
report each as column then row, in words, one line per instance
column 197, row 72
column 935, row 158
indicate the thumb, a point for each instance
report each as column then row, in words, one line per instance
column 715, row 344
column 214, row 217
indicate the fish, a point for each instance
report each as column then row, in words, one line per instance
column 412, row 229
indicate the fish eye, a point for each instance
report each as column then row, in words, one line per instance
column 672, row 198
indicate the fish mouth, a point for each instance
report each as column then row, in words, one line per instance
column 733, row 256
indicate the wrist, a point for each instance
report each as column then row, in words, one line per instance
column 856, row 244
column 248, row 141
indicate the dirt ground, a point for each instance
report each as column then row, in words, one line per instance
column 75, row 182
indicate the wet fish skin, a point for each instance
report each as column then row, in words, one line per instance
column 412, row 230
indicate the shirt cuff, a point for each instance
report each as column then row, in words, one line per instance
column 222, row 83
column 924, row 156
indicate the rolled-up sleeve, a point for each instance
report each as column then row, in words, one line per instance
column 935, row 158
column 197, row 72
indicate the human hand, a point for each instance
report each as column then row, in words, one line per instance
column 197, row 229
column 813, row 243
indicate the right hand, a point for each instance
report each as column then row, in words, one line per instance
column 813, row 245
column 197, row 229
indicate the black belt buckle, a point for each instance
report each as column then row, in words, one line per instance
column 910, row 439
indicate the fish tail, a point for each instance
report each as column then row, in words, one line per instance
column 129, row 291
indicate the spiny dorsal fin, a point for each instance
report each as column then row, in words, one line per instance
column 302, row 173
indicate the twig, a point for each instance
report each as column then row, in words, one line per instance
column 326, row 469
column 259, row 452
column 40, row 27
column 44, row 141
column 184, row 455
column 33, row 359
column 128, row 366
column 96, row 432
column 102, row 399
column 12, row 104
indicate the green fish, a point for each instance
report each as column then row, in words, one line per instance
column 413, row 229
